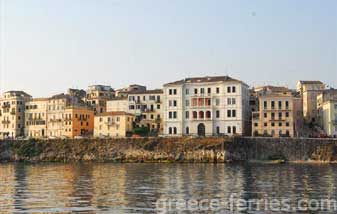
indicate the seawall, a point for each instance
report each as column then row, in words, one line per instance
column 199, row 150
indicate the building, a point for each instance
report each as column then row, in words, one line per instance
column 148, row 109
column 145, row 105
column 113, row 124
column 124, row 92
column 206, row 106
column 56, row 108
column 98, row 95
column 78, row 121
column 36, row 118
column 309, row 91
column 327, row 111
column 12, row 113
column 279, row 112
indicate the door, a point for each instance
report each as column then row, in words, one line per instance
column 201, row 130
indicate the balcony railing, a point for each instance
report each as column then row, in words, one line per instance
column 55, row 120
column 5, row 122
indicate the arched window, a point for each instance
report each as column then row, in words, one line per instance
column 187, row 130
column 170, row 130
column 201, row 115
column 195, row 115
column 208, row 114
column 175, row 130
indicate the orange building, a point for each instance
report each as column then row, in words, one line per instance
column 78, row 121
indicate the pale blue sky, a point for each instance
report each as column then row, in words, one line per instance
column 50, row 45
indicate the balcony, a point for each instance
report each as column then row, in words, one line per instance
column 55, row 120
column 277, row 119
column 110, row 123
column 7, row 105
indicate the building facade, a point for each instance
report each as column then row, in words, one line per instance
column 78, row 121
column 113, row 124
column 278, row 114
column 206, row 106
column 36, row 118
column 327, row 111
column 12, row 113
column 309, row 91
column 98, row 95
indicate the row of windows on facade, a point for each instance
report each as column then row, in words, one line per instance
column 143, row 107
column 280, row 124
column 143, row 98
column 230, row 89
column 111, row 119
column 6, row 118
column 272, row 132
column 230, row 130
column 272, row 104
column 201, row 102
column 6, row 126
column 101, row 127
column 13, row 103
column 151, row 116
column 272, row 115
column 7, row 110
column 202, row 114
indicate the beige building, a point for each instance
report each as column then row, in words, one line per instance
column 309, row 91
column 124, row 92
column 278, row 114
column 36, row 118
column 55, row 113
column 113, row 124
column 327, row 111
column 147, row 106
column 98, row 95
column 12, row 113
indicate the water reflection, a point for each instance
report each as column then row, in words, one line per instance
column 134, row 188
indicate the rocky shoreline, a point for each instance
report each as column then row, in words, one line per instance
column 171, row 150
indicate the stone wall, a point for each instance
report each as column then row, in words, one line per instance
column 208, row 150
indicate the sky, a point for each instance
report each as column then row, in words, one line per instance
column 48, row 46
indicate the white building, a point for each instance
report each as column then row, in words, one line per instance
column 206, row 106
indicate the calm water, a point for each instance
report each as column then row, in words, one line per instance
column 135, row 188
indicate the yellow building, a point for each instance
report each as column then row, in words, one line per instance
column 97, row 96
column 309, row 91
column 277, row 113
column 12, row 114
column 36, row 118
column 78, row 121
column 113, row 124
column 327, row 111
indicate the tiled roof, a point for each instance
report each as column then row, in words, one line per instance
column 204, row 80
column 154, row 91
column 310, row 82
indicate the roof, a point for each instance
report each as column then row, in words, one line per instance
column 310, row 82
column 154, row 91
column 18, row 93
column 273, row 88
column 113, row 113
column 38, row 99
column 205, row 79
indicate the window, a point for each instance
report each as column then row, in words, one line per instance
column 234, row 129
column 217, row 114
column 217, row 90
column 209, row 90
column 287, row 104
column 174, row 91
column 233, row 113
column 175, row 115
column 265, row 115
column 201, row 114
column 195, row 91
column 229, row 101
column 170, row 92
column 287, row 114
column 202, row 91
column 287, row 124
column 170, row 130
column 272, row 124
column 272, row 115
column 174, row 103
column 229, row 113
column 280, row 124
column 229, row 129
column 187, row 91
column 280, row 104
column 233, row 101
column 187, row 130
column 228, row 89
column 280, row 115
column 217, row 102
column 233, row 91
column 265, row 104
column 170, row 115
column 175, row 130
column 187, row 114
column 208, row 114
column 256, row 124
column 187, row 102
column 336, row 106
column 272, row 104
column 217, row 130
column 195, row 115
